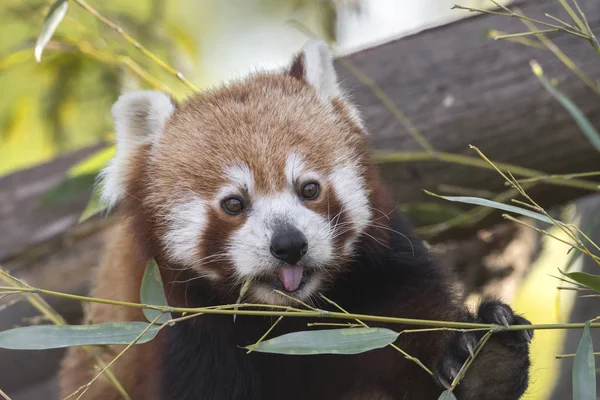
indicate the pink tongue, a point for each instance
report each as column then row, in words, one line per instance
column 290, row 276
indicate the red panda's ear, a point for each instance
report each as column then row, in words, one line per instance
column 314, row 64
column 139, row 118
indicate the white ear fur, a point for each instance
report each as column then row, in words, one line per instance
column 139, row 119
column 319, row 70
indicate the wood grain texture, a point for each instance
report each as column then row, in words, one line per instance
column 497, row 104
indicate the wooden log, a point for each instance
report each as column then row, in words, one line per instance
column 459, row 88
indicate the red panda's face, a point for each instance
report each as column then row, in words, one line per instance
column 265, row 179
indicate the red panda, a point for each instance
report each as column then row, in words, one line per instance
column 271, row 179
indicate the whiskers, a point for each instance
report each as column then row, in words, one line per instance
column 197, row 265
column 338, row 229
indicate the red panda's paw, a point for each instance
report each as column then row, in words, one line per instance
column 501, row 368
column 496, row 312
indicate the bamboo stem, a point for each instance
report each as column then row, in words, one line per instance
column 310, row 314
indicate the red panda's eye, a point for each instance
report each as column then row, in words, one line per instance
column 233, row 205
column 310, row 191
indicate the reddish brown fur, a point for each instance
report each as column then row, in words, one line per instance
column 289, row 115
column 119, row 278
column 259, row 122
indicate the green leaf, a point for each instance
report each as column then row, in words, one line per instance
column 152, row 293
column 584, row 124
column 93, row 163
column 584, row 368
column 56, row 13
column 41, row 337
column 82, row 177
column 68, row 188
column 499, row 206
column 329, row 341
column 93, row 207
column 447, row 395
column 590, row 228
column 587, row 280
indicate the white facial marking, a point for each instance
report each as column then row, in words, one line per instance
column 296, row 170
column 350, row 189
column 186, row 222
column 294, row 166
column 249, row 245
column 139, row 118
column 241, row 176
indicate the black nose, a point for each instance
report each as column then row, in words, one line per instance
column 288, row 244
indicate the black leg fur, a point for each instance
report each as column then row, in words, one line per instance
column 501, row 370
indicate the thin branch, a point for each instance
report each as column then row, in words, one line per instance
column 546, row 178
column 459, row 159
column 90, row 383
column 4, row 395
column 389, row 104
column 560, row 356
column 514, row 35
column 379, row 93
column 466, row 218
column 221, row 310
column 136, row 44
column 493, row 33
column 263, row 337
column 47, row 311
column 564, row 58
column 510, row 13
column 392, row 345
column 470, row 360
column 561, row 21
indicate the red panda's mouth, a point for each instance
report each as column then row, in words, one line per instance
column 288, row 278
column 291, row 276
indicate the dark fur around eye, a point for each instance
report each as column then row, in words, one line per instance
column 310, row 191
column 233, row 205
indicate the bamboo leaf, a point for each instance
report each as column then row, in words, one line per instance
column 588, row 230
column 68, row 188
column 584, row 124
column 93, row 163
column 587, row 280
column 56, row 13
column 584, row 368
column 80, row 178
column 494, row 204
column 93, row 207
column 152, row 293
column 447, row 395
column 41, row 337
column 573, row 15
column 329, row 341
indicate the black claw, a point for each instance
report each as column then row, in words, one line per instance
column 527, row 336
column 496, row 312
